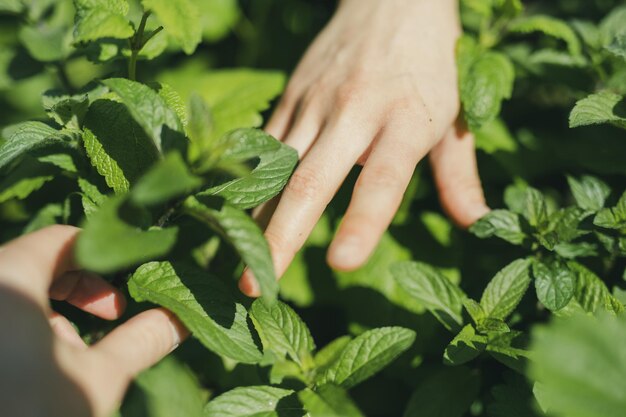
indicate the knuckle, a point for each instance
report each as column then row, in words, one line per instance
column 347, row 94
column 305, row 184
column 382, row 176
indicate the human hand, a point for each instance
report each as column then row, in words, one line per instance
column 378, row 87
column 46, row 368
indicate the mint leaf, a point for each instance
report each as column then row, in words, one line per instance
column 328, row 401
column 151, row 112
column 433, row 395
column 500, row 223
column 550, row 26
column 168, row 179
column 109, row 244
column 180, row 18
column 235, row 97
column 488, row 81
column 254, row 401
column 283, row 332
column 589, row 192
column 599, row 108
column 366, row 355
column 201, row 303
column 474, row 309
column 117, row 146
column 97, row 19
column 579, row 363
column 440, row 296
column 244, row 235
column 329, row 353
column 614, row 217
column 465, row 346
column 506, row 289
column 555, row 284
column 28, row 177
column 29, row 137
column 591, row 292
column 169, row 389
column 535, row 209
column 46, row 42
column 618, row 46
column 277, row 162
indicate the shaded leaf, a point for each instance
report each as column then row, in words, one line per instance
column 201, row 303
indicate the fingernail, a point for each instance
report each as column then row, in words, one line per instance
column 175, row 336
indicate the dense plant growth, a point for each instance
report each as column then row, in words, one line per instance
column 158, row 156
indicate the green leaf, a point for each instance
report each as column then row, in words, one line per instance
column 256, row 401
column 48, row 215
column 244, row 235
column 276, row 163
column 500, row 223
column 218, row 17
column 591, row 292
column 109, row 244
column 488, row 81
column 168, row 179
column 367, row 354
column 474, row 309
column 180, row 18
column 11, row 6
column 201, row 303
column 235, row 98
column 589, row 192
column 436, row 292
column 550, row 26
column 29, row 176
column 29, row 137
column 465, row 346
column 580, row 364
column 117, row 146
column 151, row 112
column 555, row 284
column 331, row 352
column 46, row 42
column 614, row 217
column 618, row 46
column 328, row 401
column 535, row 209
column 169, row 389
column 491, row 326
column 506, row 289
column 434, row 394
column 97, row 19
column 513, row 398
column 283, row 332
column 599, row 108
column 613, row 25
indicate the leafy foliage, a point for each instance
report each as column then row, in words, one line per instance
column 157, row 156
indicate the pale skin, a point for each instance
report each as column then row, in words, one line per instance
column 377, row 88
column 47, row 369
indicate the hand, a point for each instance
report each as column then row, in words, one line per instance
column 46, row 368
column 378, row 88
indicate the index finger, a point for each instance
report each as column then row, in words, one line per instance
column 30, row 263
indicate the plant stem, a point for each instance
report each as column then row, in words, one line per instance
column 136, row 43
column 63, row 78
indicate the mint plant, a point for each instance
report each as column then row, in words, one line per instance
column 160, row 186
column 120, row 117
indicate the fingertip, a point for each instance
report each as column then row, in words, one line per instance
column 249, row 285
column 466, row 216
column 347, row 254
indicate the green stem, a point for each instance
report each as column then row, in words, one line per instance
column 136, row 43
column 63, row 78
